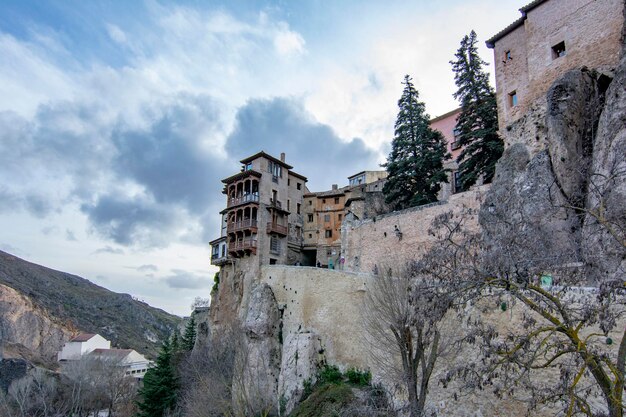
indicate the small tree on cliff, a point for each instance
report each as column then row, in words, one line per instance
column 189, row 338
column 415, row 164
column 478, row 122
column 158, row 394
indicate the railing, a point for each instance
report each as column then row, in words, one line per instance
column 218, row 260
column 277, row 228
column 275, row 203
column 247, row 243
column 246, row 198
column 241, row 224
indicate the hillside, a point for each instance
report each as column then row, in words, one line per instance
column 42, row 308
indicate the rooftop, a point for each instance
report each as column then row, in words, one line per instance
column 111, row 353
column 510, row 28
column 266, row 156
column 83, row 337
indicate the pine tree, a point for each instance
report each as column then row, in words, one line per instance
column 415, row 164
column 160, row 385
column 189, row 338
column 478, row 122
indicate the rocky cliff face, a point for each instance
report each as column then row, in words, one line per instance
column 27, row 331
column 40, row 309
column 564, row 172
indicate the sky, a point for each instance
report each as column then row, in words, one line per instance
column 118, row 119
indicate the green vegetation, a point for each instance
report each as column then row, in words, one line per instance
column 415, row 164
column 325, row 400
column 216, row 283
column 189, row 338
column 358, row 377
column 157, row 396
column 478, row 122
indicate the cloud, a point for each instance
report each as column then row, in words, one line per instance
column 147, row 268
column 13, row 250
column 183, row 279
column 116, row 34
column 287, row 42
column 314, row 149
column 170, row 158
column 69, row 236
column 109, row 249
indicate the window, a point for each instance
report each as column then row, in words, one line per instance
column 323, row 201
column 275, row 169
column 456, row 183
column 513, row 98
column 339, row 216
column 288, row 182
column 288, row 204
column 274, row 245
column 336, row 200
column 272, row 261
column 508, row 56
column 326, row 217
column 456, row 132
column 248, row 166
column 310, row 235
column 328, row 233
column 310, row 218
column 298, row 208
column 558, row 50
column 298, row 186
column 456, row 144
column 310, row 202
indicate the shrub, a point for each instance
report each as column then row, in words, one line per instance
column 330, row 374
column 358, row 377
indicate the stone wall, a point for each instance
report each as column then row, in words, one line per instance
column 375, row 242
column 321, row 321
column 591, row 30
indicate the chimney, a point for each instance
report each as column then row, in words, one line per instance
column 334, row 186
column 282, row 156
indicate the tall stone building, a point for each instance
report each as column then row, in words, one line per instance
column 262, row 222
column 550, row 38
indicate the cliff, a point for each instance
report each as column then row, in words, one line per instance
column 40, row 309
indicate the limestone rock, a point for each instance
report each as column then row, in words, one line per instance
column 258, row 361
column 299, row 363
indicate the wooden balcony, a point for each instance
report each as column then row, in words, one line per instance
column 279, row 229
column 246, row 198
column 239, row 247
column 218, row 260
column 242, row 225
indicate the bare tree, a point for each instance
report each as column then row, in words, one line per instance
column 404, row 313
column 569, row 348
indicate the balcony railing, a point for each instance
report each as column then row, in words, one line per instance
column 218, row 260
column 246, row 198
column 273, row 227
column 243, row 244
column 241, row 224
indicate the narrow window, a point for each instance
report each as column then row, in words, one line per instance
column 288, row 204
column 326, row 217
column 298, row 186
column 288, row 182
column 323, row 201
column 328, row 233
column 558, row 50
column 310, row 202
column 336, row 200
column 508, row 56
column 298, row 208
column 513, row 98
column 310, row 235
column 339, row 216
column 310, row 218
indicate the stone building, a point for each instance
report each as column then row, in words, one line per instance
column 446, row 124
column 550, row 38
column 325, row 211
column 262, row 222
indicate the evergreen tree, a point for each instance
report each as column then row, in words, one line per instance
column 189, row 338
column 160, row 385
column 415, row 164
column 478, row 122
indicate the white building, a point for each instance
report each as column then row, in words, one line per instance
column 135, row 363
column 82, row 345
column 94, row 346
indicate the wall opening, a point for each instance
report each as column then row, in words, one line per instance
column 558, row 50
column 513, row 98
